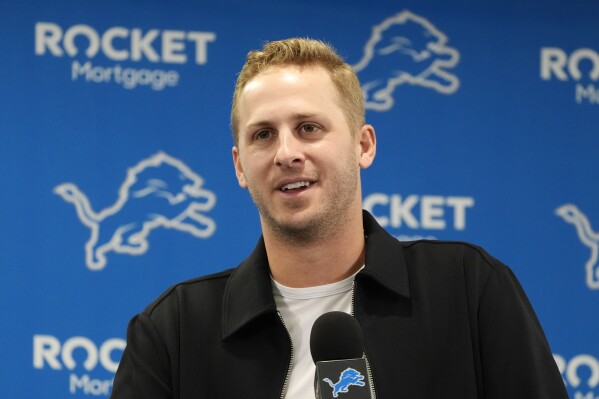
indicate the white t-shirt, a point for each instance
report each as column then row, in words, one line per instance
column 299, row 308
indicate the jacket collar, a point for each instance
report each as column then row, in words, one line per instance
column 385, row 261
column 248, row 294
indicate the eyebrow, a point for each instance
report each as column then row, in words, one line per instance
column 295, row 117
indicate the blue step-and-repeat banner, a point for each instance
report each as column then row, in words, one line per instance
column 487, row 115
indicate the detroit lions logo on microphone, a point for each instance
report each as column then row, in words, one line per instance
column 160, row 191
column 348, row 377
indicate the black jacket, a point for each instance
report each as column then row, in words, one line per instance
column 440, row 320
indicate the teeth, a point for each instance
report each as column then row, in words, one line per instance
column 299, row 184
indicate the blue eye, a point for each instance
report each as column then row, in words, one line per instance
column 309, row 128
column 262, row 135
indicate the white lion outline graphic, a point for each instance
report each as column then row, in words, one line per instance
column 571, row 214
column 162, row 183
column 405, row 49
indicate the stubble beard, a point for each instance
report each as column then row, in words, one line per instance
column 328, row 217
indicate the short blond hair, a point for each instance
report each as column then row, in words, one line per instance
column 303, row 52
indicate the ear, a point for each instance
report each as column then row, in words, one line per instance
column 238, row 169
column 367, row 146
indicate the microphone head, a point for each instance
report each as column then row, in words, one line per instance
column 335, row 336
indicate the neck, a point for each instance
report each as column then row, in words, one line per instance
column 322, row 260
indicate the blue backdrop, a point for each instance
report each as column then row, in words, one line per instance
column 487, row 118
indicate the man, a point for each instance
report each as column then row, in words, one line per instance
column 440, row 320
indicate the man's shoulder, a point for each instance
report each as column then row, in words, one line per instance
column 446, row 246
column 452, row 266
column 458, row 253
column 428, row 251
column 197, row 290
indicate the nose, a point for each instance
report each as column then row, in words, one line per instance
column 289, row 152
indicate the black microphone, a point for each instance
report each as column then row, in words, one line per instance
column 337, row 347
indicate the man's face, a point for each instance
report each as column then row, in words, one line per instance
column 296, row 154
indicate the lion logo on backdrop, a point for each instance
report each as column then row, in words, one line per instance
column 160, row 191
column 405, row 49
column 589, row 238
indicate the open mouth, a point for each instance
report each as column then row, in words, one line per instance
column 297, row 186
